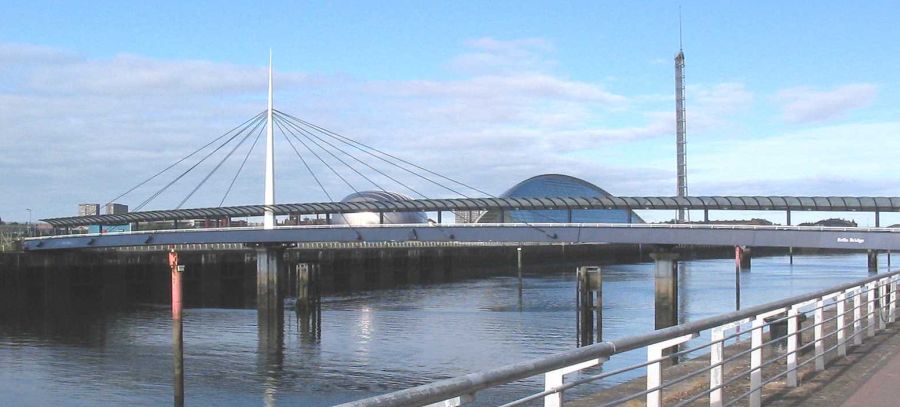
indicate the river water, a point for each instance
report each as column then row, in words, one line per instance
column 371, row 342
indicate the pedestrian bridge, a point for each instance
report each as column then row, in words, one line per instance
column 555, row 233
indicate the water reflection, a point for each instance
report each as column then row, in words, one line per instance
column 357, row 344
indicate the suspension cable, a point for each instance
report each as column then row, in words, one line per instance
column 241, row 168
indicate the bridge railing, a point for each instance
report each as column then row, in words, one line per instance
column 842, row 316
column 511, row 225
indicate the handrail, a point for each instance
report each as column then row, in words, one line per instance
column 473, row 382
column 504, row 225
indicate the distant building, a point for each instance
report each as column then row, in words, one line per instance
column 563, row 186
column 116, row 209
column 88, row 209
column 372, row 218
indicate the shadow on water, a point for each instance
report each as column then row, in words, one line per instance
column 108, row 340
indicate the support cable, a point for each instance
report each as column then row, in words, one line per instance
column 241, row 168
column 311, row 140
column 349, row 140
column 321, row 160
column 345, row 152
column 219, row 165
column 368, row 150
column 179, row 177
column 311, row 172
column 142, row 183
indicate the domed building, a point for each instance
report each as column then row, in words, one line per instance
column 558, row 185
column 372, row 218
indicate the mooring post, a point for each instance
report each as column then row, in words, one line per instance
column 742, row 257
column 177, row 338
column 589, row 281
column 872, row 256
column 519, row 270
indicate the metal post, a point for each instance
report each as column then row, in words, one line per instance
column 755, row 361
column 840, row 326
column 857, row 316
column 871, row 297
column 877, row 219
column 654, row 370
column 788, row 221
column 792, row 323
column 439, row 216
column 716, row 373
column 706, row 216
column 519, row 271
column 177, row 338
column 819, row 343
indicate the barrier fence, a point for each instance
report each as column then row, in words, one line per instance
column 842, row 317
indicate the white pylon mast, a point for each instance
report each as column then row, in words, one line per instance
column 269, row 219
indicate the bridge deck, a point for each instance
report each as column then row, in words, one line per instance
column 711, row 235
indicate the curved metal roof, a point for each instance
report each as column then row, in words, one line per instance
column 793, row 203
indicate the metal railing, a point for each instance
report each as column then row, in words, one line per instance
column 860, row 309
column 494, row 225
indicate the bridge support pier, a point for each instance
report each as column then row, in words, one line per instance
column 590, row 308
column 872, row 256
column 665, row 277
column 269, row 295
column 742, row 257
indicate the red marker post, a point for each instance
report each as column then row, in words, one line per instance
column 177, row 339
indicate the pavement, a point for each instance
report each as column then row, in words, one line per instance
column 869, row 376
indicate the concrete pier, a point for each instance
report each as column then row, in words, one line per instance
column 742, row 257
column 872, row 256
column 269, row 294
column 665, row 276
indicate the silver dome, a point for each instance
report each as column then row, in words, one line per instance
column 372, row 218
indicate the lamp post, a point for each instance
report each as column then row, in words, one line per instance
column 28, row 224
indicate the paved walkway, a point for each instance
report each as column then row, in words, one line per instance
column 881, row 389
column 870, row 377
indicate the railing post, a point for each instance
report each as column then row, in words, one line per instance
column 654, row 370
column 839, row 324
column 716, row 376
column 554, row 379
column 882, row 303
column 819, row 343
column 892, row 309
column 857, row 316
column 755, row 361
column 870, row 310
column 792, row 347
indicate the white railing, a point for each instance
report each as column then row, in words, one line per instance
column 842, row 317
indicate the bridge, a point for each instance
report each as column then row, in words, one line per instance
column 271, row 239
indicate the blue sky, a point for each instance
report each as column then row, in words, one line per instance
column 783, row 97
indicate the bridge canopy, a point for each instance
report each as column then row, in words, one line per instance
column 787, row 203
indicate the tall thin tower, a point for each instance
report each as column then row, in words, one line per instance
column 680, row 123
column 269, row 218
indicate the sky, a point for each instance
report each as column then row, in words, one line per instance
column 783, row 98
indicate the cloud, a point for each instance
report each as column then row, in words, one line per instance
column 805, row 105
column 97, row 126
column 492, row 56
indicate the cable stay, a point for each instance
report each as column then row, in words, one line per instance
column 219, row 165
column 180, row 176
column 319, row 158
column 241, row 168
column 350, row 167
column 142, row 183
column 369, row 150
column 345, row 152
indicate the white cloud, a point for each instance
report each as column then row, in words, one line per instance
column 806, row 105
column 76, row 129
